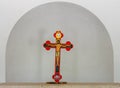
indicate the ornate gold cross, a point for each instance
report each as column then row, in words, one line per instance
column 58, row 45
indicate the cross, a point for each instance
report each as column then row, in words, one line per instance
column 57, row 45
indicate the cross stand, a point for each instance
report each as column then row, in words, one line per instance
column 58, row 45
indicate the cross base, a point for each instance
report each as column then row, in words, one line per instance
column 56, row 83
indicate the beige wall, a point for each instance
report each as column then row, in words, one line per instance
column 70, row 85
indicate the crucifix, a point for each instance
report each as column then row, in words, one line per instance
column 57, row 45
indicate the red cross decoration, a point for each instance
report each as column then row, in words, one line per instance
column 57, row 45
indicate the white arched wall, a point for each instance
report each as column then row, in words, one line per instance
column 106, row 10
column 91, row 59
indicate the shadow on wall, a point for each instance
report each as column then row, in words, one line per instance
column 91, row 59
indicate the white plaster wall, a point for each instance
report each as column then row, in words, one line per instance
column 106, row 10
column 91, row 59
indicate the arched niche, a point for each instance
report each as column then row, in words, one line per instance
column 91, row 59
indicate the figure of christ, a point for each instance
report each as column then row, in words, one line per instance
column 58, row 45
